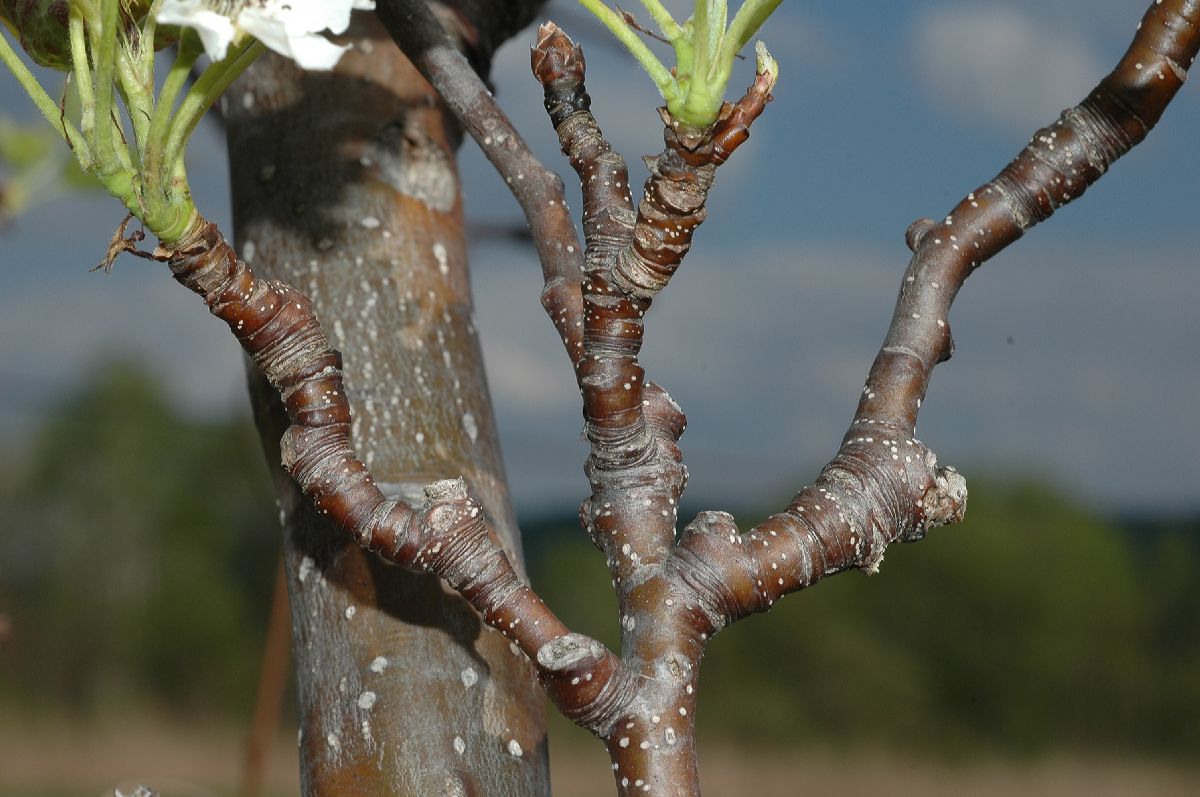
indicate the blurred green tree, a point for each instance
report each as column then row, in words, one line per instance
column 140, row 586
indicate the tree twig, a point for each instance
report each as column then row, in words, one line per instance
column 538, row 190
column 883, row 485
column 635, row 467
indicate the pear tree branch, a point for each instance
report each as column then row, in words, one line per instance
column 448, row 535
column 884, row 485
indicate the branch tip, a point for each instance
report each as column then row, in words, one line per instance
column 555, row 56
column 946, row 502
column 767, row 70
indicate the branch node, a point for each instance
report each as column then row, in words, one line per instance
column 946, row 501
column 584, row 680
column 878, row 549
column 568, row 652
column 916, row 232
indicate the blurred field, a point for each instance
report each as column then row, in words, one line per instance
column 186, row 761
column 88, row 760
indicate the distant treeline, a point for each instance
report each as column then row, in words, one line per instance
column 138, row 550
column 137, row 556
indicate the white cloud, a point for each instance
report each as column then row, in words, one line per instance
column 766, row 350
column 1001, row 65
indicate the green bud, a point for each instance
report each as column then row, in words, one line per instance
column 41, row 26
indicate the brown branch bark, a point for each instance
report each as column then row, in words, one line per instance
column 883, row 485
column 635, row 467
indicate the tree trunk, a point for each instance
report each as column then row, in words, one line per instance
column 344, row 185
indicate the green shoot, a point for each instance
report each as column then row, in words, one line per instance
column 111, row 47
column 705, row 50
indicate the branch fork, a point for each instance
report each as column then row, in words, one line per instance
column 884, row 485
column 675, row 592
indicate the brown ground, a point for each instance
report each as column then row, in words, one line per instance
column 727, row 772
column 48, row 761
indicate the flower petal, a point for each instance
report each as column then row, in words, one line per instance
column 312, row 16
column 289, row 27
column 314, row 51
column 266, row 27
column 216, row 31
column 308, row 50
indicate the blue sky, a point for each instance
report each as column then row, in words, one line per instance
column 1075, row 356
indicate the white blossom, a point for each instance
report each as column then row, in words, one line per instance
column 291, row 28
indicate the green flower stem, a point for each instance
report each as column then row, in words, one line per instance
column 146, row 45
column 718, row 17
column 204, row 93
column 120, row 149
column 661, row 76
column 48, row 107
column 701, row 37
column 135, row 151
column 139, row 100
column 119, row 178
column 83, row 71
column 684, row 52
column 702, row 100
column 104, row 56
column 746, row 22
column 662, row 17
column 179, row 210
column 704, row 51
column 177, row 77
